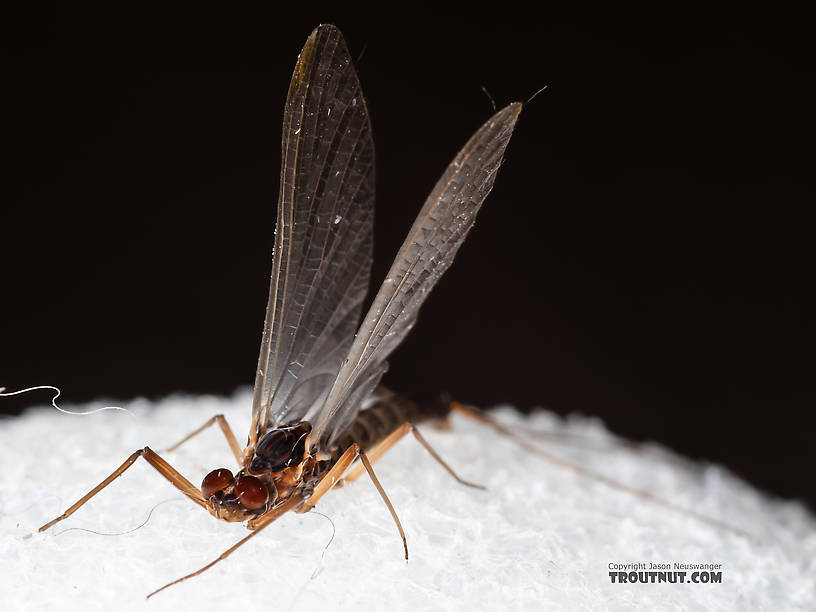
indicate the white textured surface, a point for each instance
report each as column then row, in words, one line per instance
column 540, row 538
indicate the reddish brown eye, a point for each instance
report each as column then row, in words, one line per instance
column 215, row 481
column 251, row 492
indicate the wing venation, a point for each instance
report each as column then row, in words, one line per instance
column 323, row 238
column 439, row 230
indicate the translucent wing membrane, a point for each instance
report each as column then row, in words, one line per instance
column 323, row 239
column 444, row 221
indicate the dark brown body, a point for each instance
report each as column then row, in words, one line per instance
column 390, row 411
column 284, row 464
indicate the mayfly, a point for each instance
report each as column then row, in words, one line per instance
column 317, row 406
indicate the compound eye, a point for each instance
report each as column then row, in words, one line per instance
column 251, row 492
column 215, row 481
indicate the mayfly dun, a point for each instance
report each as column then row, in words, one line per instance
column 317, row 405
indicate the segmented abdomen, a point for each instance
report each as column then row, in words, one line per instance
column 389, row 412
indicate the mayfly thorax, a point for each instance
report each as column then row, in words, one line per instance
column 318, row 408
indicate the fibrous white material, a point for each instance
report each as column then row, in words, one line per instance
column 540, row 537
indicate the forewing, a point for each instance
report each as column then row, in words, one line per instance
column 444, row 221
column 323, row 239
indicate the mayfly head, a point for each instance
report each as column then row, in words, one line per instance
column 239, row 497
column 275, row 469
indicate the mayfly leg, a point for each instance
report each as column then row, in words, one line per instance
column 334, row 475
column 225, row 428
column 486, row 419
column 329, row 480
column 394, row 437
column 259, row 523
column 161, row 466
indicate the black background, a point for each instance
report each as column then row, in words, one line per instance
column 646, row 255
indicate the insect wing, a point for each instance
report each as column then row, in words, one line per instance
column 323, row 238
column 438, row 232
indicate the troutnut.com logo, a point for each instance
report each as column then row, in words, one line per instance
column 648, row 573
